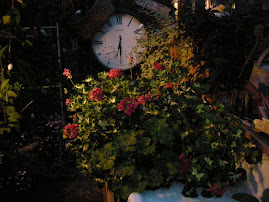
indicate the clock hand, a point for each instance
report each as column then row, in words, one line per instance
column 119, row 49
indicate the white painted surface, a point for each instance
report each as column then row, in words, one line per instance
column 257, row 181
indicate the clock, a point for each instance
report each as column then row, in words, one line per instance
column 116, row 44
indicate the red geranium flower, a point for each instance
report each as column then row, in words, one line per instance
column 68, row 101
column 67, row 72
column 158, row 66
column 144, row 98
column 115, row 73
column 74, row 117
column 128, row 105
column 169, row 85
column 186, row 164
column 71, row 130
column 216, row 189
column 96, row 94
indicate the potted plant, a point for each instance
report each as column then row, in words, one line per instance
column 146, row 130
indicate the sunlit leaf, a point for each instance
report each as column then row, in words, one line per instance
column 6, row 19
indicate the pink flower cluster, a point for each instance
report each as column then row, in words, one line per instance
column 129, row 105
column 144, row 99
column 216, row 189
column 186, row 164
column 74, row 117
column 158, row 66
column 71, row 130
column 56, row 125
column 96, row 94
column 68, row 101
column 131, row 59
column 67, row 72
column 115, row 73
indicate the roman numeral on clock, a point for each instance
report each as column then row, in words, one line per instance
column 138, row 30
column 119, row 19
column 97, row 42
column 130, row 22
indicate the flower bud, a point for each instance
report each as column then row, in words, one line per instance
column 10, row 66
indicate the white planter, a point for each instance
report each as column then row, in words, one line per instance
column 257, row 180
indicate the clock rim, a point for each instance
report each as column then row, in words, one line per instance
column 120, row 11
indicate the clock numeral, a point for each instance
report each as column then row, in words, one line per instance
column 101, row 31
column 109, row 23
column 99, row 54
column 130, row 22
column 97, row 42
column 119, row 19
column 138, row 30
column 108, row 63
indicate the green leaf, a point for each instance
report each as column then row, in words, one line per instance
column 234, row 177
column 8, row 130
column 6, row 19
column 125, row 192
column 208, row 160
column 196, row 174
column 200, row 108
column 10, row 110
column 18, row 18
column 108, row 164
column 243, row 197
column 11, row 93
column 123, row 171
column 80, row 86
column 214, row 145
column 88, row 80
column 10, row 101
column 29, row 42
column 159, row 130
column 65, row 91
column 13, row 117
column 11, row 125
column 2, row 131
column 172, row 168
column 126, row 140
column 85, row 148
column 102, row 124
column 4, row 83
column 2, row 50
column 222, row 162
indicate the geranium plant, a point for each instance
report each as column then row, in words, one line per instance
column 139, row 133
column 153, row 128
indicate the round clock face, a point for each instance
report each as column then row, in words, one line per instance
column 116, row 44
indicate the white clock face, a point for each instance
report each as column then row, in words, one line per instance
column 117, row 41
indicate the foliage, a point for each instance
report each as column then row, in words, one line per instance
column 9, row 116
column 13, row 177
column 224, row 43
column 8, row 88
column 142, row 133
column 147, row 130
